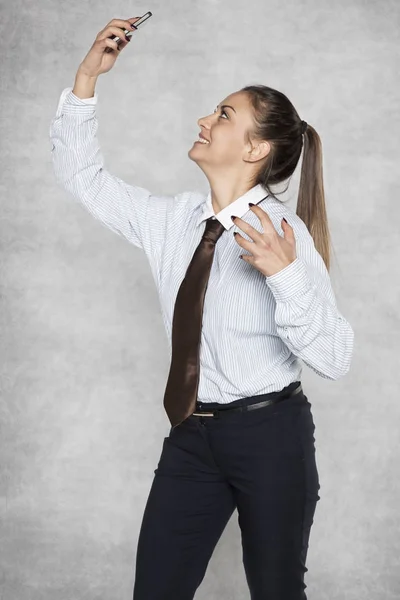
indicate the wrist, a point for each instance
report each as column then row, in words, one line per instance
column 84, row 85
column 83, row 75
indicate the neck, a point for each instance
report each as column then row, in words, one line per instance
column 224, row 193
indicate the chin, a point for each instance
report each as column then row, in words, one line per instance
column 189, row 155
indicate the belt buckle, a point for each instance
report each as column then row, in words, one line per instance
column 205, row 414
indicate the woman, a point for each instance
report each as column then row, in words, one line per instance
column 242, row 432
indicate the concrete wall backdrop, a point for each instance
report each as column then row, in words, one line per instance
column 83, row 350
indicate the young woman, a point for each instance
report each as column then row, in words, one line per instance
column 242, row 431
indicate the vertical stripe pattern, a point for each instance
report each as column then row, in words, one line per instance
column 257, row 331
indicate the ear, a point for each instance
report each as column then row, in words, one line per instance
column 259, row 151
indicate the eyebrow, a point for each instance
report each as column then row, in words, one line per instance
column 227, row 106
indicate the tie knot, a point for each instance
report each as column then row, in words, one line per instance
column 213, row 230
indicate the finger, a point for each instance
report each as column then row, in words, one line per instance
column 122, row 23
column 247, row 228
column 243, row 243
column 112, row 45
column 268, row 226
column 116, row 32
column 288, row 232
column 119, row 28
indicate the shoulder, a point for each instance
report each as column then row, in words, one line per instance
column 276, row 210
column 184, row 207
column 189, row 203
column 190, row 198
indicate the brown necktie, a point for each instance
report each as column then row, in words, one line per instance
column 183, row 379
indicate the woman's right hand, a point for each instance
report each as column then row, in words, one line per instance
column 97, row 61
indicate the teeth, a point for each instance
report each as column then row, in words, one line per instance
column 203, row 141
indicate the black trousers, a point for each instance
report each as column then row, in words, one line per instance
column 261, row 462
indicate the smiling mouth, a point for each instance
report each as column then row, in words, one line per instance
column 201, row 140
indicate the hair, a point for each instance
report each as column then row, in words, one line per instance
column 277, row 121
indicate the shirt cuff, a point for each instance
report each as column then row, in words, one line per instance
column 291, row 281
column 68, row 102
column 75, row 100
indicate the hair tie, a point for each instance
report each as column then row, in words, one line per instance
column 303, row 126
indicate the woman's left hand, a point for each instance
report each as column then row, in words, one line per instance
column 270, row 251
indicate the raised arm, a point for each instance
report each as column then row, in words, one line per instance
column 78, row 163
column 128, row 210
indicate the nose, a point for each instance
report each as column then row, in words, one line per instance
column 203, row 122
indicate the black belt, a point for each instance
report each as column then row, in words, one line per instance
column 218, row 412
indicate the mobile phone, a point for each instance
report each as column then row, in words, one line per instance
column 127, row 32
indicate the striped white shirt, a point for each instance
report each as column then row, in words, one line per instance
column 256, row 330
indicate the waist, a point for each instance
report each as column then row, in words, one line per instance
column 248, row 403
column 224, row 383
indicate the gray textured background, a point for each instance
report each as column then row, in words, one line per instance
column 83, row 349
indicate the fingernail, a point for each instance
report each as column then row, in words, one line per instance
column 284, row 219
column 133, row 26
column 128, row 39
column 233, row 217
column 251, row 204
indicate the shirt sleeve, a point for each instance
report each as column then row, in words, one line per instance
column 306, row 315
column 128, row 210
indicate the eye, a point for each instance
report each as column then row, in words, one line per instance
column 223, row 112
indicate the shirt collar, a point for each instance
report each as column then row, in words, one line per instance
column 238, row 207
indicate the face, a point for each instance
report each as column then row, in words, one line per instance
column 225, row 129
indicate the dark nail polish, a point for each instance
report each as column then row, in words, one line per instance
column 235, row 233
column 251, row 204
column 128, row 39
column 284, row 219
column 233, row 217
column 133, row 26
